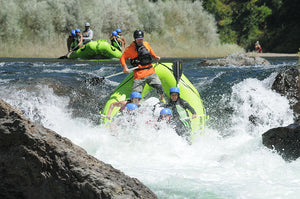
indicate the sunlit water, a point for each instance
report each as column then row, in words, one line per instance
column 228, row 161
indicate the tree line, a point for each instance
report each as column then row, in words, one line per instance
column 275, row 23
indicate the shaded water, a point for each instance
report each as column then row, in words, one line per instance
column 228, row 161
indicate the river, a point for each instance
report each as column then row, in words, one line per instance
column 228, row 161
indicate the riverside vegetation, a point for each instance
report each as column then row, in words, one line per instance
column 275, row 23
column 175, row 28
column 33, row 28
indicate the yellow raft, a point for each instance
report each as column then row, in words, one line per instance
column 165, row 73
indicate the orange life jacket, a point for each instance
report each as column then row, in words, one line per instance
column 131, row 52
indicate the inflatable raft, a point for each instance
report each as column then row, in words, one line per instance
column 165, row 72
column 100, row 49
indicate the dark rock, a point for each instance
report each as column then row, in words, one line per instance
column 285, row 140
column 240, row 59
column 287, row 84
column 35, row 162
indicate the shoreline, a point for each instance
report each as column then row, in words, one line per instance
column 254, row 54
column 249, row 54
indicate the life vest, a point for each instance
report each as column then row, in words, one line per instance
column 144, row 57
column 115, row 43
column 75, row 42
column 131, row 52
column 87, row 36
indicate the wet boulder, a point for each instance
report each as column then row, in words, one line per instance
column 240, row 59
column 36, row 162
column 287, row 84
column 285, row 140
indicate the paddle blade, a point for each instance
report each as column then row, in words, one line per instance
column 177, row 70
column 63, row 57
column 94, row 81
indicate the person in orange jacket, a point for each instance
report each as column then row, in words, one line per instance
column 141, row 55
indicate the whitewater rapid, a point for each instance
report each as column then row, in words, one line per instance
column 222, row 163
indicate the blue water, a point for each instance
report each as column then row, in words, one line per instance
column 228, row 161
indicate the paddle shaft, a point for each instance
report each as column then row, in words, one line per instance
column 116, row 74
column 118, row 44
column 177, row 80
column 69, row 52
column 177, row 71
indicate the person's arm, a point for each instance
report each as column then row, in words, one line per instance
column 186, row 105
column 123, row 63
column 123, row 45
column 115, row 104
column 123, row 38
column 79, row 44
column 128, row 53
column 91, row 37
column 147, row 45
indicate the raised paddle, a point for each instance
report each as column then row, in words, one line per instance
column 177, row 71
column 98, row 80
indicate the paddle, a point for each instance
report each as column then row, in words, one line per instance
column 98, row 80
column 177, row 71
column 66, row 56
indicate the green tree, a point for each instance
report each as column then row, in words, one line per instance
column 241, row 22
column 283, row 27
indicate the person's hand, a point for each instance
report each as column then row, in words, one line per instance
column 108, row 117
column 125, row 69
column 194, row 116
column 157, row 58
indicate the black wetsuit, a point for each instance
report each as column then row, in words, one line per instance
column 180, row 127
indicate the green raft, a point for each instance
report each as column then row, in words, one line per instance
column 99, row 49
column 165, row 73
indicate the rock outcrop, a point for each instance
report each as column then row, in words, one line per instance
column 240, row 59
column 285, row 140
column 287, row 83
column 35, row 162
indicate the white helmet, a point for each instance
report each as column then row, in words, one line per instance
column 87, row 24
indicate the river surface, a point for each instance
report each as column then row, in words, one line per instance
column 228, row 161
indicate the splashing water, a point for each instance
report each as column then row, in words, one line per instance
column 228, row 161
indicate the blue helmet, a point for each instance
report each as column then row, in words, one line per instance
column 73, row 33
column 166, row 111
column 118, row 30
column 135, row 95
column 131, row 106
column 174, row 90
column 77, row 30
column 114, row 33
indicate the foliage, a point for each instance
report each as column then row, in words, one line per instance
column 239, row 22
column 270, row 21
column 175, row 23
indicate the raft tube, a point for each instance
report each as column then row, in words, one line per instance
column 100, row 49
column 165, row 73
